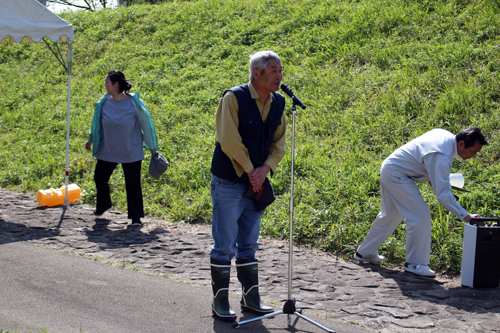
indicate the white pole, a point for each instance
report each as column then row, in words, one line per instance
column 67, row 124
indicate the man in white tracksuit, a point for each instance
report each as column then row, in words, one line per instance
column 427, row 158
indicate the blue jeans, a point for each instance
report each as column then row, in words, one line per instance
column 235, row 222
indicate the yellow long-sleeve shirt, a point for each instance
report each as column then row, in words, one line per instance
column 227, row 122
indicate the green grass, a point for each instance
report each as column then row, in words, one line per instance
column 14, row 330
column 373, row 75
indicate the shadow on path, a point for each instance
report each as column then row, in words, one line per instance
column 426, row 289
column 104, row 231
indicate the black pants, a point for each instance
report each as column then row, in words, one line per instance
column 132, row 171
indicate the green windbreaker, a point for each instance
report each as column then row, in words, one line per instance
column 145, row 123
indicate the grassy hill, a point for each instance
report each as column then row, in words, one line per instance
column 373, row 75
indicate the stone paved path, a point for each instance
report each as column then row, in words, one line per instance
column 379, row 298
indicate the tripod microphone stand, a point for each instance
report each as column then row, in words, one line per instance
column 289, row 306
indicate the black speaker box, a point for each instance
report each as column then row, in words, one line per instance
column 481, row 256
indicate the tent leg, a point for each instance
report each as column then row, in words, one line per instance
column 67, row 124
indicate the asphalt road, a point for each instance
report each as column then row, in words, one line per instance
column 61, row 292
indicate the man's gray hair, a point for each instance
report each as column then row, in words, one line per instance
column 260, row 60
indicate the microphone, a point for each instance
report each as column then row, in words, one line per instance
column 294, row 98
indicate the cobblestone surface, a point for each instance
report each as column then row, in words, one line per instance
column 378, row 298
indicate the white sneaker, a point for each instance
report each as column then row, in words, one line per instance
column 374, row 258
column 423, row 270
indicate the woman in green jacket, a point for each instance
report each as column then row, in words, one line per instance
column 120, row 128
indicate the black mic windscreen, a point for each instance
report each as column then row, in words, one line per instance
column 287, row 90
column 290, row 93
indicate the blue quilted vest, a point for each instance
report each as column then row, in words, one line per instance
column 255, row 134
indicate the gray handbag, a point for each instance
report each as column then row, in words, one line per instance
column 157, row 165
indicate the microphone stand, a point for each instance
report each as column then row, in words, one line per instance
column 289, row 306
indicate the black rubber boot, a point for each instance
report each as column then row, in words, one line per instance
column 248, row 275
column 220, row 287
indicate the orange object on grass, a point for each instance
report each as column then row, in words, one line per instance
column 52, row 197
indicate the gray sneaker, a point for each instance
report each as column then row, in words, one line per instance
column 374, row 258
column 422, row 270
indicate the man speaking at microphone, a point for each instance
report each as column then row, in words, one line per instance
column 251, row 130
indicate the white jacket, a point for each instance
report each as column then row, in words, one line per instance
column 429, row 158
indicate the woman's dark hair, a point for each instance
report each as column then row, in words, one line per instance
column 117, row 76
column 470, row 136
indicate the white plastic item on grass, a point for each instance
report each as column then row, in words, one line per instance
column 457, row 180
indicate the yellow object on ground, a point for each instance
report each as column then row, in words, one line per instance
column 52, row 197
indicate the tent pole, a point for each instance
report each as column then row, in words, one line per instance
column 67, row 123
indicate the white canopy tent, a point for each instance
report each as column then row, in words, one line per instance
column 29, row 19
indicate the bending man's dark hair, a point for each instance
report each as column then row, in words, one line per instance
column 470, row 136
column 117, row 76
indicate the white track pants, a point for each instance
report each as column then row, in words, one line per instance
column 401, row 200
